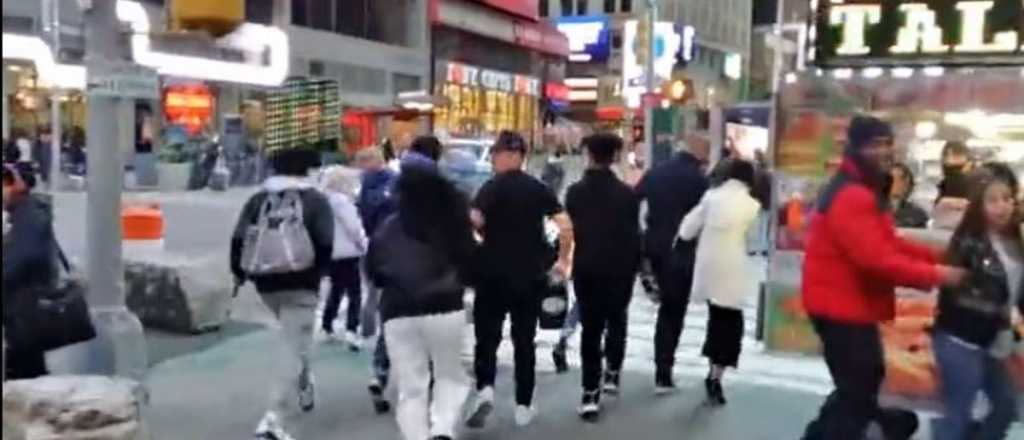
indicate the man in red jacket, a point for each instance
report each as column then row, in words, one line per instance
column 854, row 260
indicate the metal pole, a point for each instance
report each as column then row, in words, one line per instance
column 119, row 348
column 652, row 18
column 55, row 126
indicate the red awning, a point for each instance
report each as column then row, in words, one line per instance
column 543, row 37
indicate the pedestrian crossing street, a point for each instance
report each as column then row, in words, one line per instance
column 758, row 366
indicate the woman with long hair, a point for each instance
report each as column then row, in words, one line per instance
column 973, row 333
column 721, row 222
column 419, row 257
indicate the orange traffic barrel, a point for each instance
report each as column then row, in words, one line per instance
column 142, row 222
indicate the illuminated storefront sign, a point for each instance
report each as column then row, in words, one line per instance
column 907, row 32
column 482, row 102
column 588, row 37
column 466, row 75
column 188, row 105
column 667, row 43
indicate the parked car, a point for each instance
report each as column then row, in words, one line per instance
column 467, row 162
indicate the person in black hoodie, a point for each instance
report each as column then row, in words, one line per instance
column 605, row 214
column 671, row 190
column 30, row 262
column 973, row 333
column 290, row 296
column 420, row 258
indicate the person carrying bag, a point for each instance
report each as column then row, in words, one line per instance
column 44, row 309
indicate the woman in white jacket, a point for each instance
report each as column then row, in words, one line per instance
column 341, row 186
column 722, row 220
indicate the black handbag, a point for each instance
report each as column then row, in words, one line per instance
column 53, row 316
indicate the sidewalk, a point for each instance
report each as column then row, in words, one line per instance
column 220, row 393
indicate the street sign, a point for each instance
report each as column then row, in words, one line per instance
column 125, row 81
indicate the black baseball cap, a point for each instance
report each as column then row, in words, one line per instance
column 509, row 141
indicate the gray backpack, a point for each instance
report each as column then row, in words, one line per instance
column 278, row 242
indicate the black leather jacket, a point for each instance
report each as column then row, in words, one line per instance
column 977, row 310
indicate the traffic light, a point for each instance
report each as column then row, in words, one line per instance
column 218, row 18
column 678, row 90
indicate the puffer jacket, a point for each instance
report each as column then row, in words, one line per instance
column 417, row 279
column 854, row 259
column 977, row 310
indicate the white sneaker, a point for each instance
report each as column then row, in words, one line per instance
column 355, row 343
column 307, row 392
column 525, row 415
column 482, row 407
column 270, row 428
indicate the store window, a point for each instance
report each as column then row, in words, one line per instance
column 322, row 14
column 627, row 6
column 405, row 83
column 566, row 8
column 581, row 7
column 259, row 11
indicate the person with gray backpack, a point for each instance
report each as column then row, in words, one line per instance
column 283, row 243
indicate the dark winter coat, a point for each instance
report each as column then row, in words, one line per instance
column 29, row 251
column 671, row 189
column 376, row 200
column 977, row 310
column 417, row 279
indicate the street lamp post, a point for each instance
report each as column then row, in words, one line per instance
column 652, row 18
column 119, row 348
column 55, row 97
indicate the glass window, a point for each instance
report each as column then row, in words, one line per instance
column 609, row 6
column 566, row 8
column 259, row 11
column 321, row 14
column 581, row 7
column 350, row 17
column 627, row 6
column 300, row 13
column 542, row 5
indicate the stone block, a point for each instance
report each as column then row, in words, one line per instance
column 72, row 408
column 179, row 294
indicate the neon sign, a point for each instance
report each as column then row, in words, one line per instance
column 922, row 32
column 588, row 37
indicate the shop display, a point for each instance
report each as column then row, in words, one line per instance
column 303, row 113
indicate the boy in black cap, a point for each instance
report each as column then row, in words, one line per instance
column 510, row 211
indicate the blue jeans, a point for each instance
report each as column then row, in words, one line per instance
column 965, row 371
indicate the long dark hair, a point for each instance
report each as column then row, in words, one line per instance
column 433, row 211
column 974, row 225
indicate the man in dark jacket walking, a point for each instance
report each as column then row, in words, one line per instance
column 29, row 261
column 510, row 211
column 290, row 295
column 605, row 214
column 376, row 202
column 854, row 260
column 671, row 190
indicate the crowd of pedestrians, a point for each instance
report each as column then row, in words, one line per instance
column 403, row 245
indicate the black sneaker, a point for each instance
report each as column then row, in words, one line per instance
column 590, row 406
column 611, row 383
column 307, row 392
column 898, row 424
column 558, row 356
column 716, row 395
column 663, row 385
column 380, row 404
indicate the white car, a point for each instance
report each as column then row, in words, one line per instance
column 467, row 162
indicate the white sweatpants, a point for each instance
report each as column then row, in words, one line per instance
column 419, row 346
column 288, row 359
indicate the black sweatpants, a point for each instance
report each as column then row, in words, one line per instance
column 853, row 353
column 604, row 306
column 521, row 301
column 345, row 281
column 674, row 273
column 724, row 338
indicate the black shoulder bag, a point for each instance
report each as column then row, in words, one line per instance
column 52, row 316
